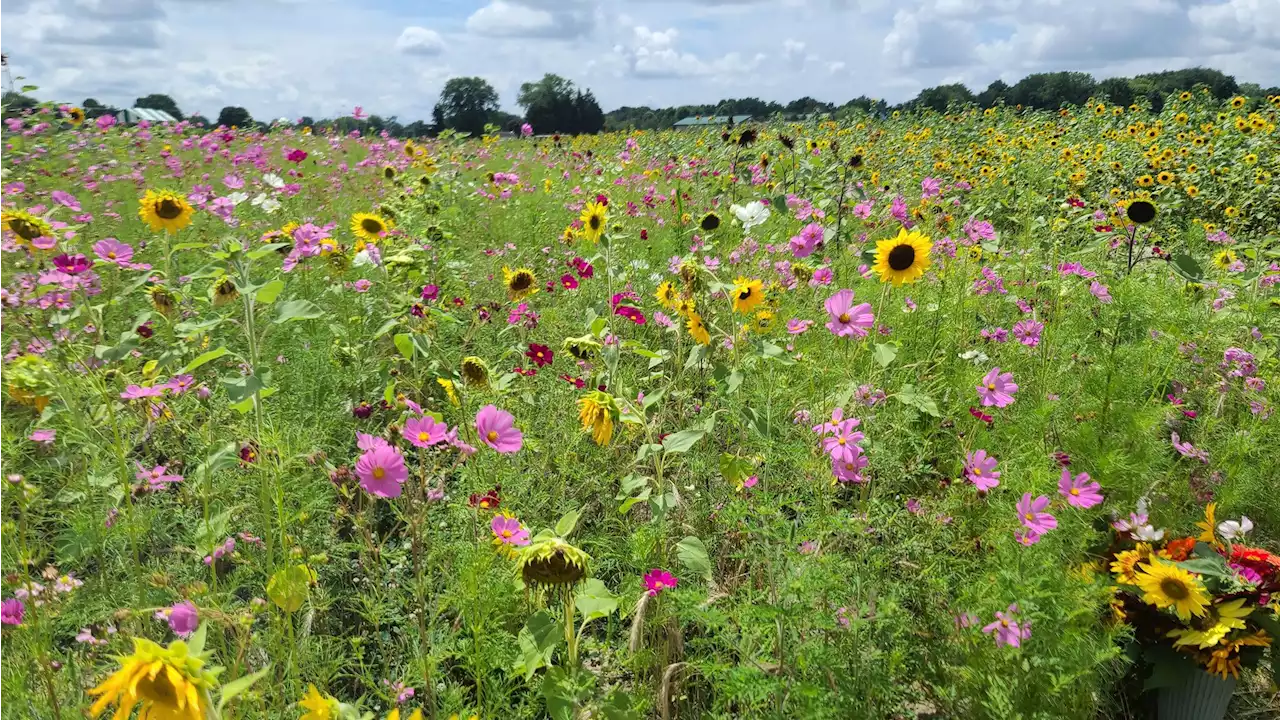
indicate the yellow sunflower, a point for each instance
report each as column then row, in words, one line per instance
column 318, row 706
column 75, row 116
column 747, row 294
column 165, row 210
column 686, row 306
column 597, row 412
column 1224, row 259
column 1166, row 585
column 1125, row 563
column 667, row 295
column 763, row 321
column 904, row 258
column 168, row 683
column 709, row 222
column 416, row 715
column 1209, row 524
column 697, row 330
column 369, row 227
column 1226, row 658
column 520, row 282
column 593, row 221
column 1223, row 618
column 26, row 226
column 449, row 390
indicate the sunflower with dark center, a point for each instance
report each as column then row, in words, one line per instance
column 369, row 227
column 389, row 172
column 855, row 162
column 747, row 137
column 903, row 259
column 165, row 210
column 520, row 282
column 747, row 294
column 25, row 225
column 552, row 561
column 1141, row 212
column 225, row 291
column 75, row 116
column 787, row 142
column 593, row 221
column 709, row 222
column 475, row 372
column 162, row 299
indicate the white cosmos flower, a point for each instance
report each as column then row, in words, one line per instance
column 266, row 202
column 1232, row 530
column 977, row 357
column 238, row 197
column 753, row 214
column 273, row 180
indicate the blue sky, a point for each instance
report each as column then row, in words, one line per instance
column 322, row 57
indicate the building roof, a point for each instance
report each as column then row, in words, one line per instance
column 133, row 115
column 698, row 120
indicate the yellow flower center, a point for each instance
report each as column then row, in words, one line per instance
column 991, row 386
column 493, row 436
column 506, row 533
column 1030, row 516
column 111, row 255
column 844, row 317
column 379, row 473
column 977, row 471
column 1075, row 491
column 840, row 441
column 424, row 436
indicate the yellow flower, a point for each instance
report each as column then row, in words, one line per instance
column 747, row 294
column 165, row 210
column 1225, row 617
column 904, row 258
column 593, row 221
column 1125, row 563
column 697, row 330
column 25, row 225
column 317, row 705
column 763, row 321
column 667, row 295
column 1226, row 659
column 520, row 282
column 475, row 371
column 597, row 411
column 1166, row 585
column 1208, row 525
column 369, row 227
column 448, row 389
column 686, row 306
column 416, row 715
column 167, row 683
column 75, row 116
column 1224, row 259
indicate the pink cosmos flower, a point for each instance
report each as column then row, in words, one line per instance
column 496, row 429
column 179, row 384
column 509, row 530
column 1188, row 450
column 850, row 471
column 997, row 389
column 795, row 326
column 1006, row 628
column 1100, row 292
column 138, row 392
column 1031, row 514
column 157, row 478
column 43, row 436
column 630, row 313
column 112, row 250
column 12, row 611
column 842, row 444
column 1026, row 537
column 1028, row 332
column 183, row 618
column 846, row 318
column 656, row 580
column 1080, row 491
column 365, row 441
column 424, row 431
column 569, row 282
column 980, row 469
column 382, row 472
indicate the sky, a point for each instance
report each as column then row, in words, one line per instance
column 289, row 58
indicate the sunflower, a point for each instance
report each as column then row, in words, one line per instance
column 1166, row 585
column 1209, row 525
column 686, row 306
column 709, row 222
column 763, row 321
column 1230, row 211
column 449, row 390
column 162, row 299
column 747, row 294
column 1125, row 563
column 168, row 683
column 552, row 561
column 1192, row 190
column 475, row 372
column 319, row 706
column 165, row 210
column 1146, row 181
column 1164, row 177
column 26, row 226
column 593, row 221
column 369, row 227
column 225, row 291
column 75, row 116
column 904, row 258
column 389, row 172
column 584, row 348
column 1222, row 619
column 1141, row 212
column 667, row 295
column 1224, row 259
column 1237, row 102
column 1226, row 658
column 597, row 412
column 410, row 149
column 697, row 330
column 520, row 282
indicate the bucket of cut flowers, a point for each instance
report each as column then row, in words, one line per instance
column 1201, row 608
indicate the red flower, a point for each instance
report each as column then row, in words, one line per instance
column 569, row 282
column 981, row 415
column 576, row 382
column 644, row 234
column 541, row 355
column 487, row 501
column 1256, row 559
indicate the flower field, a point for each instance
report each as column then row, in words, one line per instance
column 918, row 415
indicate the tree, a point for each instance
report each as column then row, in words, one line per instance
column 236, row 116
column 159, row 101
column 1118, row 90
column 588, row 117
column 553, row 104
column 994, row 94
column 1052, row 90
column 466, row 104
column 198, row 119
column 941, row 97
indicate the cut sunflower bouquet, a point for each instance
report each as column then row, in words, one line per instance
column 1207, row 601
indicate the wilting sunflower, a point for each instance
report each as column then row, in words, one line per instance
column 369, row 227
column 1166, row 585
column 904, row 258
column 169, row 683
column 162, row 299
column 225, row 292
column 75, row 116
column 552, row 561
column 698, row 330
column 584, row 348
column 475, row 372
column 520, row 282
column 855, row 162
column 747, row 294
column 1141, row 212
column 709, row 222
column 667, row 295
column 165, row 210
column 593, row 221
column 597, row 412
column 26, row 226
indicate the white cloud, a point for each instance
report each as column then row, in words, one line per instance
column 533, row 18
column 416, row 40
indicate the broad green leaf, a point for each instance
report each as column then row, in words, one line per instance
column 885, row 354
column 909, row 395
column 288, row 587
column 239, row 388
column 773, row 352
column 298, row 310
column 237, row 687
column 265, row 250
column 594, row 601
column 683, row 440
column 537, row 641
column 269, row 292
column 195, row 643
column 205, row 358
column 246, row 404
column 567, row 523
column 734, row 469
column 188, row 246
column 693, row 555
column 1187, row 267
column 404, row 343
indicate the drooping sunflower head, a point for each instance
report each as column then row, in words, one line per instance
column 369, row 227
column 225, row 292
column 686, row 306
column 162, row 299
column 689, row 275
column 165, row 210
column 167, row 682
column 904, row 258
column 1166, row 585
column 75, row 116
column 802, row 271
column 597, row 411
column 25, row 225
column 475, row 371
column 584, row 348
column 1141, row 212
column 389, row 172
column 593, row 221
column 709, row 222
column 552, row 561
column 520, row 282
column 747, row 294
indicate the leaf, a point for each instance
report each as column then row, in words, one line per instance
column 288, row 587
column 195, row 643
column 246, row 404
column 734, row 469
column 223, row 457
column 239, row 685
column 269, row 292
column 567, row 523
column 594, row 601
column 908, row 395
column 537, row 641
column 885, row 354
column 631, row 501
column 205, row 358
column 265, row 250
column 298, row 310
column 239, row 388
column 1169, row 668
column 1214, row 566
column 683, row 440
column 404, row 343
column 1187, row 267
column 693, row 555
column 773, row 352
column 128, row 343
column 188, row 246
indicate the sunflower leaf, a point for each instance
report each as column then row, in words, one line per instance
column 237, row 687
column 693, row 555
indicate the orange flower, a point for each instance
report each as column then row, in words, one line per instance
column 1178, row 550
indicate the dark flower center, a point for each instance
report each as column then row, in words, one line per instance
column 902, row 257
column 1174, row 588
column 24, row 229
column 744, row 293
column 710, row 222
column 1142, row 212
column 594, row 222
column 371, row 226
column 521, row 281
column 168, row 209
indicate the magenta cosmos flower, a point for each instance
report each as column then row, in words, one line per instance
column 997, row 388
column 846, row 318
column 381, row 471
column 842, row 444
column 114, row 251
column 1028, row 332
column 424, row 431
column 1007, row 630
column 980, row 469
column 509, row 531
column 1080, row 491
column 850, row 471
column 655, row 581
column 1032, row 516
column 11, row 611
column 183, row 618
column 497, row 430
